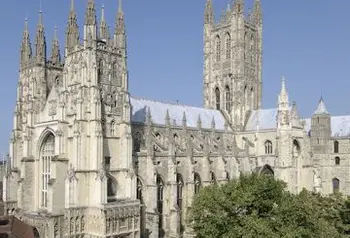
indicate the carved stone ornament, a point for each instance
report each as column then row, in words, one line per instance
column 71, row 174
column 101, row 173
column 52, row 107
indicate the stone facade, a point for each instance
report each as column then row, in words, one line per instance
column 89, row 160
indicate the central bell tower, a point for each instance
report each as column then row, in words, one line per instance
column 232, row 61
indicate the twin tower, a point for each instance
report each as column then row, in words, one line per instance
column 233, row 61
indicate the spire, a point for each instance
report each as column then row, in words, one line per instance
column 209, row 13
column 72, row 32
column 257, row 11
column 283, row 102
column 148, row 116
column 103, row 26
column 90, row 15
column 40, row 42
column 55, row 51
column 321, row 108
column 26, row 49
column 120, row 35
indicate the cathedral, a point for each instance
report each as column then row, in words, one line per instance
column 87, row 159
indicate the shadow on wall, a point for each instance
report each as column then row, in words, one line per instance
column 10, row 226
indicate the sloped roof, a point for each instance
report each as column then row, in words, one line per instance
column 176, row 111
column 265, row 118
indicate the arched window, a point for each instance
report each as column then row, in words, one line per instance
column 197, row 183
column 111, row 189
column 296, row 148
column 179, row 199
column 228, row 98
column 336, row 147
column 337, row 161
column 245, row 95
column 336, row 185
column 268, row 147
column 160, row 192
column 139, row 196
column 218, row 48
column 47, row 153
column 137, row 142
column 112, row 128
column 213, row 178
column 100, row 71
column 228, row 46
column 217, row 98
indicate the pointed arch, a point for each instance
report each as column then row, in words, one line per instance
column 160, row 199
column 213, row 179
column 228, row 98
column 47, row 152
column 179, row 199
column 296, row 148
column 111, row 189
column 197, row 183
column 336, row 185
column 137, row 139
column 217, row 98
column 228, row 45
column 217, row 48
column 336, row 147
column 100, row 69
column 267, row 170
column 268, row 147
column 252, row 98
column 112, row 128
column 36, row 232
column 251, row 43
column 337, row 160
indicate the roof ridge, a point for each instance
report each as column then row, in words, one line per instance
column 171, row 103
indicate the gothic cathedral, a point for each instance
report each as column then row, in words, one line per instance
column 87, row 159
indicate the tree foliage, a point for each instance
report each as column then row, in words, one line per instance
column 260, row 206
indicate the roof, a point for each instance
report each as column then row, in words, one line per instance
column 159, row 110
column 264, row 118
column 321, row 108
column 340, row 126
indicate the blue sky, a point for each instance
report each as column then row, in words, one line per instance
column 306, row 41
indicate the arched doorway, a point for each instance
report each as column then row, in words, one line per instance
column 267, row 170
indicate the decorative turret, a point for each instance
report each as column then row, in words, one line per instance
column 238, row 7
column 40, row 42
column 257, row 13
column 72, row 32
column 104, row 34
column 90, row 27
column 26, row 49
column 55, row 51
column 209, row 14
column 120, row 35
column 283, row 106
column 320, row 128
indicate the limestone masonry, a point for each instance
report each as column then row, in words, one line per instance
column 89, row 160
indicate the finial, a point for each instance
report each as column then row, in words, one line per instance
column 167, row 117
column 56, row 33
column 26, row 23
column 184, row 119
column 120, row 6
column 40, row 16
column 72, row 5
column 103, row 13
column 213, row 123
column 199, row 121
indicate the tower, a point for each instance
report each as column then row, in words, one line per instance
column 320, row 129
column 232, row 61
column 71, row 143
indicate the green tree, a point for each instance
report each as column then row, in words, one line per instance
column 260, row 206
